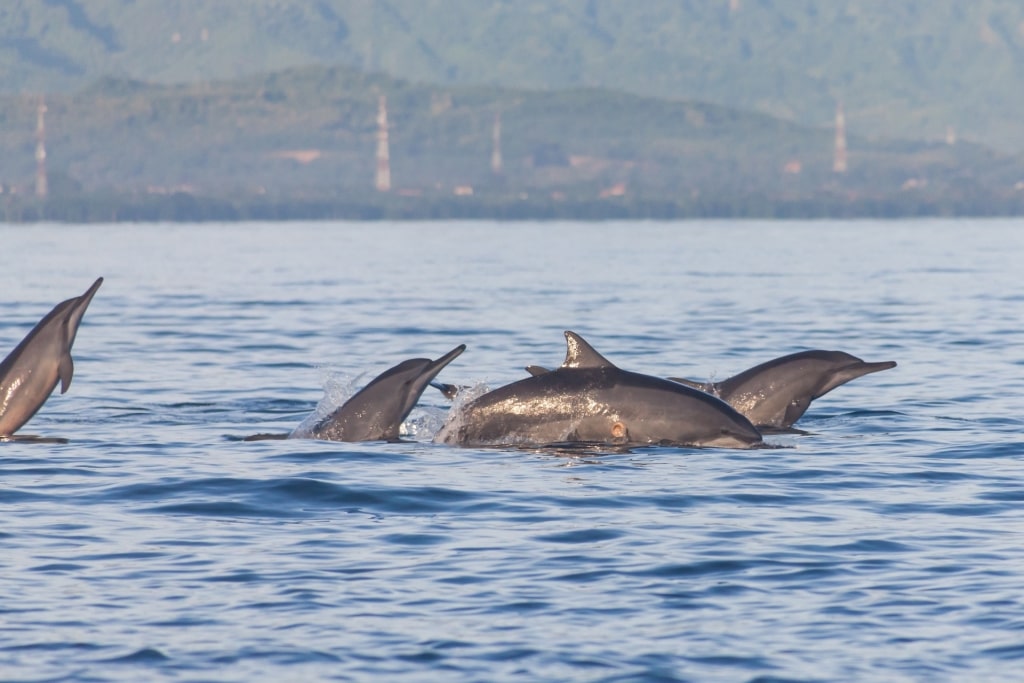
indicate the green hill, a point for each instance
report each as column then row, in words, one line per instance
column 914, row 69
column 309, row 135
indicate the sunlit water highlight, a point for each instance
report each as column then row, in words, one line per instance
column 885, row 544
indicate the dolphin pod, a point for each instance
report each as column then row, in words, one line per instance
column 590, row 400
column 587, row 400
column 30, row 373
column 776, row 394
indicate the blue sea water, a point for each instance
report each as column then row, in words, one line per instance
column 885, row 544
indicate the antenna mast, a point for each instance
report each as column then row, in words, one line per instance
column 42, row 186
column 496, row 161
column 383, row 181
column 839, row 158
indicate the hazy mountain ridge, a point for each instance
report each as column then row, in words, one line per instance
column 912, row 69
column 189, row 108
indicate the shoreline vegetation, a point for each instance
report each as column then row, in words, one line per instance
column 186, row 207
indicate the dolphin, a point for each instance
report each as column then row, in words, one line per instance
column 589, row 400
column 377, row 411
column 777, row 393
column 32, row 370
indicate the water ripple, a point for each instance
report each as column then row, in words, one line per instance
column 143, row 539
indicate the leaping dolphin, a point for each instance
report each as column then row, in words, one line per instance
column 777, row 393
column 589, row 400
column 377, row 411
column 31, row 371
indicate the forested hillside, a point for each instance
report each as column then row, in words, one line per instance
column 309, row 135
column 915, row 69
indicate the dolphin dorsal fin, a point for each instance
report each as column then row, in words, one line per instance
column 580, row 354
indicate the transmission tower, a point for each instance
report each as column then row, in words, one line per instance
column 383, row 181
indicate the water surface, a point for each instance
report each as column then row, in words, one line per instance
column 885, row 544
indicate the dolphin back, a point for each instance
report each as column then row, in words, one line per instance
column 708, row 387
column 590, row 400
column 597, row 406
column 376, row 412
column 777, row 393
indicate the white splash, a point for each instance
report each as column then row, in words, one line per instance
column 455, row 415
column 338, row 388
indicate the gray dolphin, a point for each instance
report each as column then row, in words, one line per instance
column 377, row 411
column 777, row 393
column 589, row 400
column 31, row 371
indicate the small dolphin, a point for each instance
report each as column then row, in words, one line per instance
column 777, row 393
column 589, row 400
column 30, row 373
column 377, row 411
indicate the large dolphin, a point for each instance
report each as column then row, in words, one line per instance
column 589, row 400
column 777, row 393
column 376, row 412
column 30, row 373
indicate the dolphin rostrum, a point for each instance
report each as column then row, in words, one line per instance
column 589, row 400
column 777, row 393
column 43, row 358
column 376, row 412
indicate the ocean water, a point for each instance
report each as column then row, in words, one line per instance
column 886, row 543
